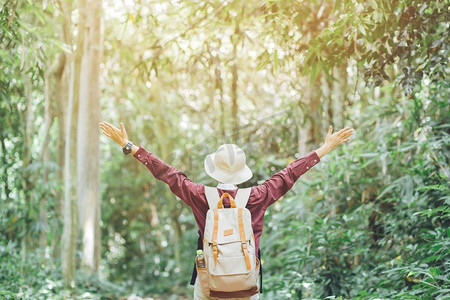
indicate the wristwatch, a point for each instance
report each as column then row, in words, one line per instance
column 127, row 148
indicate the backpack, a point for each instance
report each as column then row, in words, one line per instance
column 232, row 267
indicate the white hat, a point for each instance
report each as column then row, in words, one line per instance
column 227, row 165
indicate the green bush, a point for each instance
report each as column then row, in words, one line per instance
column 372, row 220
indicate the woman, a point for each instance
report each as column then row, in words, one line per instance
column 227, row 166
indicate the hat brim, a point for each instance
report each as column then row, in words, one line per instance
column 223, row 176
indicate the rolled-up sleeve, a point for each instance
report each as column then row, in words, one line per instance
column 177, row 181
column 280, row 183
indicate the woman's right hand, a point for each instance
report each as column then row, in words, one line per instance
column 117, row 135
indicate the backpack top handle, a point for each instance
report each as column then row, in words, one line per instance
column 232, row 202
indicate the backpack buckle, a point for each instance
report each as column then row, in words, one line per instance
column 246, row 256
column 244, row 245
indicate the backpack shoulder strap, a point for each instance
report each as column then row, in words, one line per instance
column 242, row 197
column 212, row 196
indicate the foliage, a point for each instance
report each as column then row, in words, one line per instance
column 378, row 226
column 37, row 276
column 369, row 222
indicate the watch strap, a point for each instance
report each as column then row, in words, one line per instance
column 127, row 148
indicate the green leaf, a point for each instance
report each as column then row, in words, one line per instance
column 263, row 62
column 315, row 69
column 431, row 258
column 362, row 29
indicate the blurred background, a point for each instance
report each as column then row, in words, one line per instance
column 79, row 220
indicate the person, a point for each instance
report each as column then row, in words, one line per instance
column 228, row 166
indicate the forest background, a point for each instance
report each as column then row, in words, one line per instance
column 80, row 220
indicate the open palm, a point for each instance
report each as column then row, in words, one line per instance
column 118, row 135
column 335, row 139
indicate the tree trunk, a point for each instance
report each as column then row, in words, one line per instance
column 166, row 147
column 70, row 81
column 304, row 123
column 70, row 229
column 61, row 103
column 219, row 88
column 175, row 214
column 327, row 109
column 5, row 163
column 234, row 95
column 88, row 166
column 52, row 84
column 315, row 110
column 212, row 91
column 45, row 157
column 27, row 156
column 338, row 96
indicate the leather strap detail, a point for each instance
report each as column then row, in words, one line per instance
column 214, row 237
column 228, row 232
column 232, row 202
column 243, row 240
column 238, row 294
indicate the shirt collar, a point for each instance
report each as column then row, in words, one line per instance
column 226, row 186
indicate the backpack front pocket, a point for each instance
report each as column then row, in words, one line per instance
column 231, row 274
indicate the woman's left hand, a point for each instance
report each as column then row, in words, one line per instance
column 335, row 139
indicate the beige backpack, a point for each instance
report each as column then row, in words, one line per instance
column 232, row 267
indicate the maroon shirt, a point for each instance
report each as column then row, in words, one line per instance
column 261, row 196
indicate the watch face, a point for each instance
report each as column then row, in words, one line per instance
column 127, row 148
